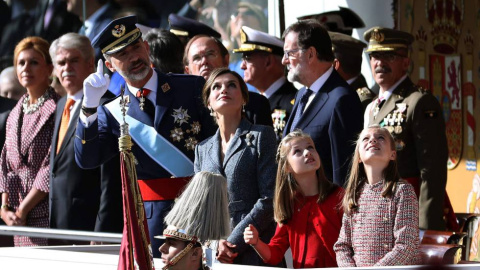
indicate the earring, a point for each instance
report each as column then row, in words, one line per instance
column 243, row 108
column 211, row 112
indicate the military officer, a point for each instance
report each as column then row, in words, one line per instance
column 414, row 117
column 165, row 116
column 185, row 28
column 262, row 63
column 348, row 53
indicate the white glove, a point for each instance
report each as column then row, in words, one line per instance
column 95, row 86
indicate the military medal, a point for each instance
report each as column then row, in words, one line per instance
column 278, row 117
column 142, row 102
column 141, row 97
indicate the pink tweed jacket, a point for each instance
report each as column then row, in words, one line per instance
column 382, row 231
column 25, row 159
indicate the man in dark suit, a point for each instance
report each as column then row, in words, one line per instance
column 326, row 108
column 348, row 53
column 262, row 63
column 203, row 54
column 165, row 115
column 415, row 119
column 80, row 199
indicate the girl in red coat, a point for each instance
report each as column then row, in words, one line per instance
column 306, row 208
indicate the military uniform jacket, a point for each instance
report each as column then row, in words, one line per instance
column 283, row 98
column 182, row 96
column 415, row 119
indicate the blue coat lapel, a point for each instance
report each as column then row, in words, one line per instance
column 236, row 142
column 164, row 99
column 135, row 112
column 214, row 151
column 315, row 106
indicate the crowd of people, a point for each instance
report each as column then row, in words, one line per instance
column 340, row 174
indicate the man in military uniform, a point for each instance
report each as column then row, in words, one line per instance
column 348, row 63
column 414, row 117
column 165, row 116
column 185, row 28
column 262, row 63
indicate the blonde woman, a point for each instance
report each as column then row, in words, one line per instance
column 24, row 162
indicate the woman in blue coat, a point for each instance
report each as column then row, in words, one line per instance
column 245, row 154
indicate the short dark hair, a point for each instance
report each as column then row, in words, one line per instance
column 351, row 64
column 166, row 50
column 223, row 50
column 312, row 34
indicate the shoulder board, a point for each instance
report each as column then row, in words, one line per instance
column 421, row 89
column 364, row 92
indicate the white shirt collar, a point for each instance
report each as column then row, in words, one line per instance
column 389, row 91
column 151, row 84
column 77, row 96
column 274, row 87
column 315, row 87
column 350, row 81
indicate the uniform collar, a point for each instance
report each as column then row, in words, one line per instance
column 274, row 87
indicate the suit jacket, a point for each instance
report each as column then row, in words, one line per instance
column 333, row 120
column 364, row 93
column 422, row 149
column 82, row 199
column 6, row 105
column 103, row 19
column 249, row 167
column 61, row 22
column 257, row 110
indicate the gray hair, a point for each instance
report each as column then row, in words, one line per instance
column 73, row 41
column 202, row 209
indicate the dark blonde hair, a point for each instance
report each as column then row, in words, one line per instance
column 38, row 44
column 286, row 186
column 357, row 176
column 216, row 73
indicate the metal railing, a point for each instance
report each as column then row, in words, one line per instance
column 61, row 234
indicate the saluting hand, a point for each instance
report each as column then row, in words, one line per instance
column 95, row 86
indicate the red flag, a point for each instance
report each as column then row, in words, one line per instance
column 135, row 250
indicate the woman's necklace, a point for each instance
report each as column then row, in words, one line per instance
column 31, row 108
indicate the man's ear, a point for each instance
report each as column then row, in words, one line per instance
column 226, row 60
column 187, row 70
column 311, row 53
column 109, row 66
column 336, row 64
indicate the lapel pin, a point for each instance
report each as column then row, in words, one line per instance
column 165, row 87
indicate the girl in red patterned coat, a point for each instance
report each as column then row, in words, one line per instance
column 306, row 208
column 380, row 224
